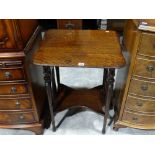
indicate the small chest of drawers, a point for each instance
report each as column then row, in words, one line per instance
column 21, row 105
column 137, row 107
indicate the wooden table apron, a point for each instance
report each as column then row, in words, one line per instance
column 95, row 49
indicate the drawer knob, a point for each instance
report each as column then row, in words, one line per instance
column 69, row 26
column 150, row 68
column 13, row 90
column 21, row 117
column 7, row 75
column 17, row 103
column 139, row 104
column 144, row 87
column 135, row 118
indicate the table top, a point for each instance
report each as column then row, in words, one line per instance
column 80, row 48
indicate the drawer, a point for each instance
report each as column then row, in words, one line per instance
column 15, row 104
column 17, row 118
column 144, row 68
column 140, row 104
column 13, row 89
column 10, row 74
column 147, row 44
column 69, row 23
column 141, row 87
column 137, row 118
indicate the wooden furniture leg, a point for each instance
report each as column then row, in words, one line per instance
column 58, row 77
column 109, row 82
column 49, row 86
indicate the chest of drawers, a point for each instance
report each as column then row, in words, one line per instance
column 137, row 108
column 20, row 104
column 69, row 23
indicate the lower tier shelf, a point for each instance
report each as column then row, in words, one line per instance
column 92, row 99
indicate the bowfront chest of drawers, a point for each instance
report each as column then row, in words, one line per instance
column 137, row 108
column 19, row 105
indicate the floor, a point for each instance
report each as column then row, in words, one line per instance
column 84, row 123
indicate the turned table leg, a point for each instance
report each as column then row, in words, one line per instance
column 108, row 87
column 49, row 89
column 57, row 77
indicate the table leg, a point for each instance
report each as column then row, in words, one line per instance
column 48, row 84
column 58, row 77
column 109, row 82
column 105, row 73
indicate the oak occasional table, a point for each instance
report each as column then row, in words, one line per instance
column 79, row 48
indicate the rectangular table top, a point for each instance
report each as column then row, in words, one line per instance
column 80, row 48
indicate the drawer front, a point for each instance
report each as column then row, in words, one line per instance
column 12, row 74
column 144, row 68
column 15, row 104
column 147, row 44
column 7, row 40
column 140, row 87
column 69, row 23
column 140, row 104
column 13, row 89
column 136, row 118
column 16, row 118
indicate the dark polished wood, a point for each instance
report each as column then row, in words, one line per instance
column 79, row 48
column 109, row 82
column 50, row 91
column 71, row 98
column 19, row 107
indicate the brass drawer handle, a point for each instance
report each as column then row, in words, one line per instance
column 3, row 40
column 13, row 90
column 3, row 65
column 134, row 118
column 150, row 68
column 7, row 75
column 144, row 87
column 139, row 104
column 69, row 26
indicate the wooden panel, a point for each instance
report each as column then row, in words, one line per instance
column 27, row 28
column 130, row 36
column 147, row 44
column 7, row 40
column 137, row 118
column 16, row 118
column 116, row 24
column 89, row 98
column 69, row 23
column 140, row 104
column 12, row 74
column 15, row 104
column 83, row 48
column 13, row 89
column 141, row 87
column 144, row 67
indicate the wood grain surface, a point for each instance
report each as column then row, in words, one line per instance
column 80, row 48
